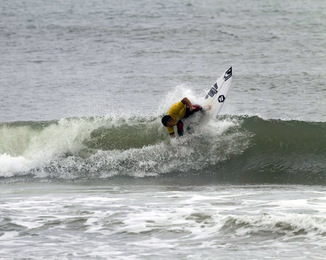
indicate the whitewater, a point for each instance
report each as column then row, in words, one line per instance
column 87, row 171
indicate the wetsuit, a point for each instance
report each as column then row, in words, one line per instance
column 178, row 111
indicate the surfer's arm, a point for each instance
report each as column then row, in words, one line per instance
column 188, row 103
column 171, row 131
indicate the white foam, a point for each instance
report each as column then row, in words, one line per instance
column 9, row 165
column 38, row 147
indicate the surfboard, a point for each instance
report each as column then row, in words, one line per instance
column 216, row 96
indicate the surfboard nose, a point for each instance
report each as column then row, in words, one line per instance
column 228, row 74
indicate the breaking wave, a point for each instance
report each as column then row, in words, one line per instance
column 232, row 149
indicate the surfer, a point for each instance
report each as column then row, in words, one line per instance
column 177, row 112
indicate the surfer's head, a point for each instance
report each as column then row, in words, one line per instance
column 167, row 121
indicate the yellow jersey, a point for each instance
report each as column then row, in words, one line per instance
column 177, row 112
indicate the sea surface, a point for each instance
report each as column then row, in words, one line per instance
column 87, row 171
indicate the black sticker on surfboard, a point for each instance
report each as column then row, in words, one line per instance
column 212, row 92
column 221, row 98
column 228, row 74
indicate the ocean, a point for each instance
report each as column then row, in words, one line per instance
column 87, row 171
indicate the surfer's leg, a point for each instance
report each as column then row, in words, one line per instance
column 180, row 128
column 196, row 109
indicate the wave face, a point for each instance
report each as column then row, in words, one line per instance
column 232, row 149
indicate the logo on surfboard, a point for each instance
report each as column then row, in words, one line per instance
column 221, row 98
column 212, row 92
column 228, row 74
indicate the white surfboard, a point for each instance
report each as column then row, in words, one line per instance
column 216, row 96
